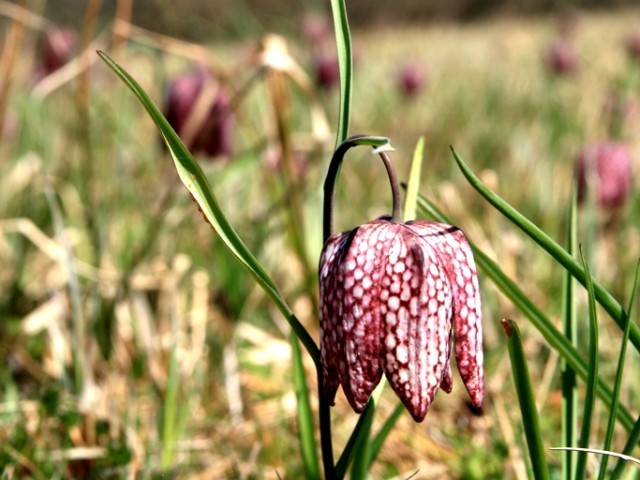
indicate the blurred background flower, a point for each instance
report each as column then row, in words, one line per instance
column 605, row 170
column 199, row 110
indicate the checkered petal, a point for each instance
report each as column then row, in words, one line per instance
column 417, row 321
column 351, row 269
column 457, row 260
column 393, row 299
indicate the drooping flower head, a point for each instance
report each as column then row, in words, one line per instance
column 395, row 298
column 561, row 58
column 327, row 71
column 412, row 79
column 57, row 47
column 632, row 44
column 199, row 110
column 606, row 168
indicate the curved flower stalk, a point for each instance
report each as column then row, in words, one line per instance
column 394, row 298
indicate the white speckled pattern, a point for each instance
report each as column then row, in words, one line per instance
column 390, row 295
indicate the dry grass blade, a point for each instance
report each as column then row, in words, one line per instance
column 628, row 458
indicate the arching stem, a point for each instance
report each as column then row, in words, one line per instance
column 381, row 145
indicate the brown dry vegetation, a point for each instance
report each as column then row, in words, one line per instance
column 197, row 379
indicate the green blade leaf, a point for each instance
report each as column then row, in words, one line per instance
column 343, row 42
column 632, row 442
column 604, row 298
column 364, row 424
column 522, row 383
column 385, row 430
column 569, row 327
column 363, row 455
column 616, row 390
column 305, row 414
column 362, row 449
column 194, row 179
column 413, row 185
column 592, row 377
column 358, row 445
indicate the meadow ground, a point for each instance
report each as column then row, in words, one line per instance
column 133, row 345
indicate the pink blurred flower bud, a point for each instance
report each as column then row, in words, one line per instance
column 211, row 130
column 412, row 79
column 397, row 299
column 561, row 58
column 607, row 168
column 58, row 47
column 632, row 44
column 327, row 71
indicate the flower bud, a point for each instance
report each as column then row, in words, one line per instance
column 397, row 299
column 58, row 47
column 633, row 46
column 327, row 71
column 199, row 110
column 561, row 58
column 607, row 169
column 411, row 79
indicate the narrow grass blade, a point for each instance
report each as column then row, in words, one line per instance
column 569, row 327
column 364, row 424
column 383, row 433
column 634, row 437
column 592, row 378
column 606, row 453
column 604, row 298
column 632, row 442
column 551, row 334
column 305, row 414
column 617, row 384
column 343, row 42
column 358, row 447
column 170, row 412
column 362, row 450
column 194, row 179
column 364, row 455
column 526, row 399
column 413, row 184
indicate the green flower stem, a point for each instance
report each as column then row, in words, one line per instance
column 326, row 444
column 381, row 144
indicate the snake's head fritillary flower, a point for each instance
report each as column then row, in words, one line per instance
column 412, row 79
column 57, row 47
column 561, row 58
column 397, row 298
column 607, row 168
column 199, row 110
column 327, row 71
column 632, row 44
